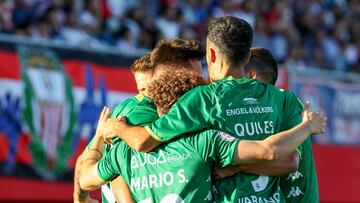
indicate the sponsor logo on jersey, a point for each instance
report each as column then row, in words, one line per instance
column 295, row 192
column 249, row 110
column 249, row 100
column 144, row 159
column 294, row 176
column 226, row 136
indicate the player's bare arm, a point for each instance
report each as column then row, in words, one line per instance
column 282, row 144
column 89, row 179
column 136, row 137
column 79, row 195
column 121, row 190
column 279, row 167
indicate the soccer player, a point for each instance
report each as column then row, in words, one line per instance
column 137, row 105
column 182, row 54
column 177, row 53
column 261, row 65
column 245, row 108
column 179, row 171
column 300, row 186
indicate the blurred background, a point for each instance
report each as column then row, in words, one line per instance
column 61, row 61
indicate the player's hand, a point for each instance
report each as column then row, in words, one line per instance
column 112, row 128
column 104, row 115
column 315, row 120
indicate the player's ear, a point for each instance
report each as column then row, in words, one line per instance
column 212, row 55
column 252, row 74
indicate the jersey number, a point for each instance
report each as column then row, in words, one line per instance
column 260, row 183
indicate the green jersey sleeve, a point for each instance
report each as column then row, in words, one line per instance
column 190, row 114
column 138, row 110
column 120, row 107
column 108, row 166
column 215, row 146
column 142, row 115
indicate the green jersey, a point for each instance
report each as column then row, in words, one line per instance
column 245, row 108
column 179, row 171
column 138, row 110
column 301, row 186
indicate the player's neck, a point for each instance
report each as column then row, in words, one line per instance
column 234, row 72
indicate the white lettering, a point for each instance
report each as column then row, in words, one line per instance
column 143, row 161
column 144, row 183
column 248, row 110
column 250, row 133
column 181, row 175
column 168, row 175
column 261, row 130
column 157, row 180
column 152, row 181
column 271, row 124
column 266, row 128
column 254, row 199
column 134, row 162
column 254, row 128
column 161, row 158
column 240, row 127
column 275, row 198
column 135, row 184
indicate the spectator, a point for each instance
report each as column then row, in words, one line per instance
column 322, row 33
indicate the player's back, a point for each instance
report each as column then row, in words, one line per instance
column 173, row 172
column 245, row 108
column 251, row 110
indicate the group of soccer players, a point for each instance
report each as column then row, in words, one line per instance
column 233, row 138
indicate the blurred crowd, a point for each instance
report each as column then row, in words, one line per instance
column 309, row 33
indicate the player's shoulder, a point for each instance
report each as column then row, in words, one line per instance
column 120, row 147
column 130, row 104
column 129, row 101
column 144, row 101
column 281, row 92
column 288, row 98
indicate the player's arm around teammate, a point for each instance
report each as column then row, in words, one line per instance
column 88, row 179
column 280, row 145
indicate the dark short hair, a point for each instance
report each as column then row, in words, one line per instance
column 264, row 63
column 176, row 51
column 233, row 37
column 142, row 64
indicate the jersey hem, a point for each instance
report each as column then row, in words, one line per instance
column 98, row 174
column 156, row 137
